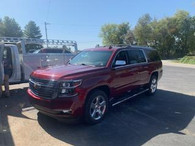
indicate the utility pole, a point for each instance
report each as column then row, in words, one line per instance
column 46, row 32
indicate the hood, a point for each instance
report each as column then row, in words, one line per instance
column 58, row 72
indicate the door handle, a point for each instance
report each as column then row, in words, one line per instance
column 145, row 67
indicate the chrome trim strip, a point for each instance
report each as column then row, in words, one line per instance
column 129, row 97
column 64, row 96
column 40, row 84
column 32, row 77
column 46, row 98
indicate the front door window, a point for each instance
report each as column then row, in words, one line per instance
column 121, row 56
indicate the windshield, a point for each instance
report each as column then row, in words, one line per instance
column 92, row 58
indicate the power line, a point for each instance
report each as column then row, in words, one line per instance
column 76, row 25
column 46, row 32
column 46, row 36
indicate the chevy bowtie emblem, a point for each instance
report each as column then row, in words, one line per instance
column 36, row 85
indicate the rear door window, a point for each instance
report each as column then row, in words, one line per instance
column 136, row 56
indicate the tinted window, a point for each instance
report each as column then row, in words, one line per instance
column 121, row 56
column 30, row 48
column 152, row 55
column 136, row 56
column 51, row 51
column 67, row 51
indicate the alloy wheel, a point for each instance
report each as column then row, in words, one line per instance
column 153, row 85
column 98, row 107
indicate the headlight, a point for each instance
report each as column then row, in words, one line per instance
column 67, row 88
column 70, row 84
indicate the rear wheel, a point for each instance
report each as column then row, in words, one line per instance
column 152, row 85
column 96, row 107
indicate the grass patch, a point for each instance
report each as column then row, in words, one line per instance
column 187, row 60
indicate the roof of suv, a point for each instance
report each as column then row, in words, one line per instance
column 114, row 48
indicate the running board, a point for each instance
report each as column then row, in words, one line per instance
column 127, row 98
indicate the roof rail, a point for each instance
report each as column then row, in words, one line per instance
column 120, row 45
column 37, row 41
column 114, row 45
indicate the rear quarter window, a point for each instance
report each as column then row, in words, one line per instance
column 152, row 55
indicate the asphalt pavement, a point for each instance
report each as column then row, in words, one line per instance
column 167, row 118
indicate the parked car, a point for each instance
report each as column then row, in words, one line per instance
column 93, row 80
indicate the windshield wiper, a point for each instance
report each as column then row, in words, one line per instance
column 83, row 64
column 87, row 64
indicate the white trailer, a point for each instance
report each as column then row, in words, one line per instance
column 24, row 61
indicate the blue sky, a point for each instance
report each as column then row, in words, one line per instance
column 81, row 20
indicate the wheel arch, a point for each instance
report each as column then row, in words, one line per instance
column 104, row 88
column 87, row 117
column 154, row 73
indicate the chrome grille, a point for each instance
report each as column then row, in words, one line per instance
column 43, row 88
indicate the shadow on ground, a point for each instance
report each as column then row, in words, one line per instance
column 11, row 106
column 134, row 122
column 131, row 123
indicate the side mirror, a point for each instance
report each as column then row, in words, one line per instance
column 120, row 63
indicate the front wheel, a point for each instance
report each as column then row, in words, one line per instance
column 96, row 107
column 152, row 85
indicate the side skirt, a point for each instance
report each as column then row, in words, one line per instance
column 120, row 100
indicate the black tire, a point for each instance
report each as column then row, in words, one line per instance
column 92, row 108
column 152, row 86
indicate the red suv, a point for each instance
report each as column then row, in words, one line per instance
column 93, row 80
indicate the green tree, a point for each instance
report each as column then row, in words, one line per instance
column 191, row 37
column 31, row 30
column 116, row 34
column 129, row 38
column 184, row 31
column 143, row 30
column 163, row 37
column 10, row 28
column 171, row 36
column 1, row 27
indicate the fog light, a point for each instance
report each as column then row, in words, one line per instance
column 66, row 111
column 54, row 95
column 63, row 91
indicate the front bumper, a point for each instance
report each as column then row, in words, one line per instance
column 70, row 107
